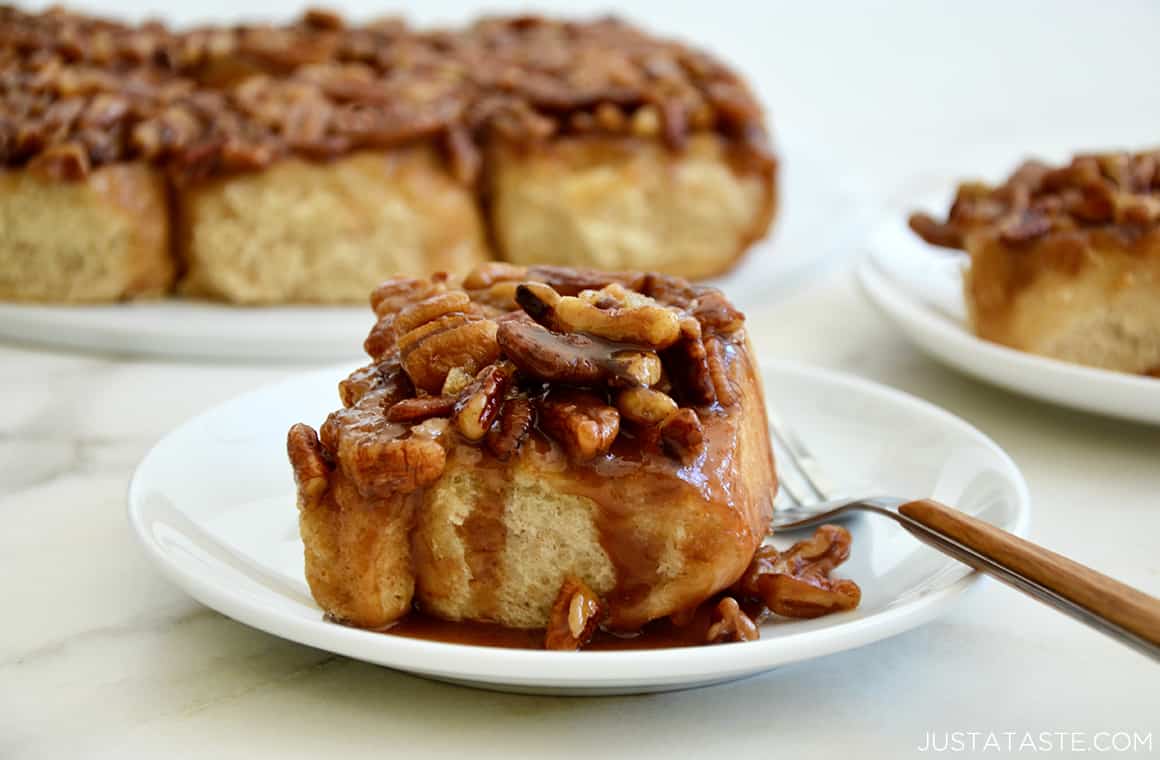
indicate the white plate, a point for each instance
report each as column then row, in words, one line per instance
column 813, row 193
column 919, row 288
column 213, row 505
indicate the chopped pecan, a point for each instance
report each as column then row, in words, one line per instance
column 457, row 379
column 1037, row 200
column 796, row 583
column 422, row 408
column 515, row 422
column 580, row 421
column 645, row 406
column 574, row 359
column 730, row 623
column 479, row 403
column 1024, row 226
column 311, row 470
column 386, row 378
column 613, row 313
column 493, row 272
column 630, row 368
column 569, row 281
column 574, row 617
column 682, row 435
column 715, row 313
column 499, row 297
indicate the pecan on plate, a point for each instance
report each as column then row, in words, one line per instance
column 574, row 617
column 796, row 583
column 730, row 623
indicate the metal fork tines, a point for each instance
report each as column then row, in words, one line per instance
column 806, row 498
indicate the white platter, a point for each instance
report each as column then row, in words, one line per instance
column 918, row 287
column 213, row 506
column 813, row 193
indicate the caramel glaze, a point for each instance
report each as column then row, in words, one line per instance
column 658, row 634
column 677, row 513
column 635, row 476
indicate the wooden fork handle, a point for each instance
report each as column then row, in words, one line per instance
column 1126, row 607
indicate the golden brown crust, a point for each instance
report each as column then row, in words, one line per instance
column 616, row 202
column 526, row 479
column 326, row 233
column 103, row 238
column 311, row 160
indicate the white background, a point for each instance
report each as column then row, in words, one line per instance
column 101, row 657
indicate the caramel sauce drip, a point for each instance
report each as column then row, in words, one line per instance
column 659, row 634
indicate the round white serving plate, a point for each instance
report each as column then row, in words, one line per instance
column 813, row 194
column 213, row 504
column 918, row 287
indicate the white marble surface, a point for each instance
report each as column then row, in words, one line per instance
column 101, row 657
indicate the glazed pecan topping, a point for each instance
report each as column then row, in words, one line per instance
column 78, row 92
column 796, row 583
column 1114, row 189
column 449, row 367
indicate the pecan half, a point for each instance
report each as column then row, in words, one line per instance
column 394, row 294
column 580, row 421
column 380, row 466
column 430, row 309
column 430, row 351
column 574, row 617
column 717, row 359
column 515, row 422
column 687, row 365
column 730, row 623
column 311, row 470
column 419, row 409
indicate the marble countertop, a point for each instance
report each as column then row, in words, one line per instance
column 102, row 657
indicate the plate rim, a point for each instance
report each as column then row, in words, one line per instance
column 956, row 344
column 532, row 668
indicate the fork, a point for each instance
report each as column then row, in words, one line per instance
column 1116, row 609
